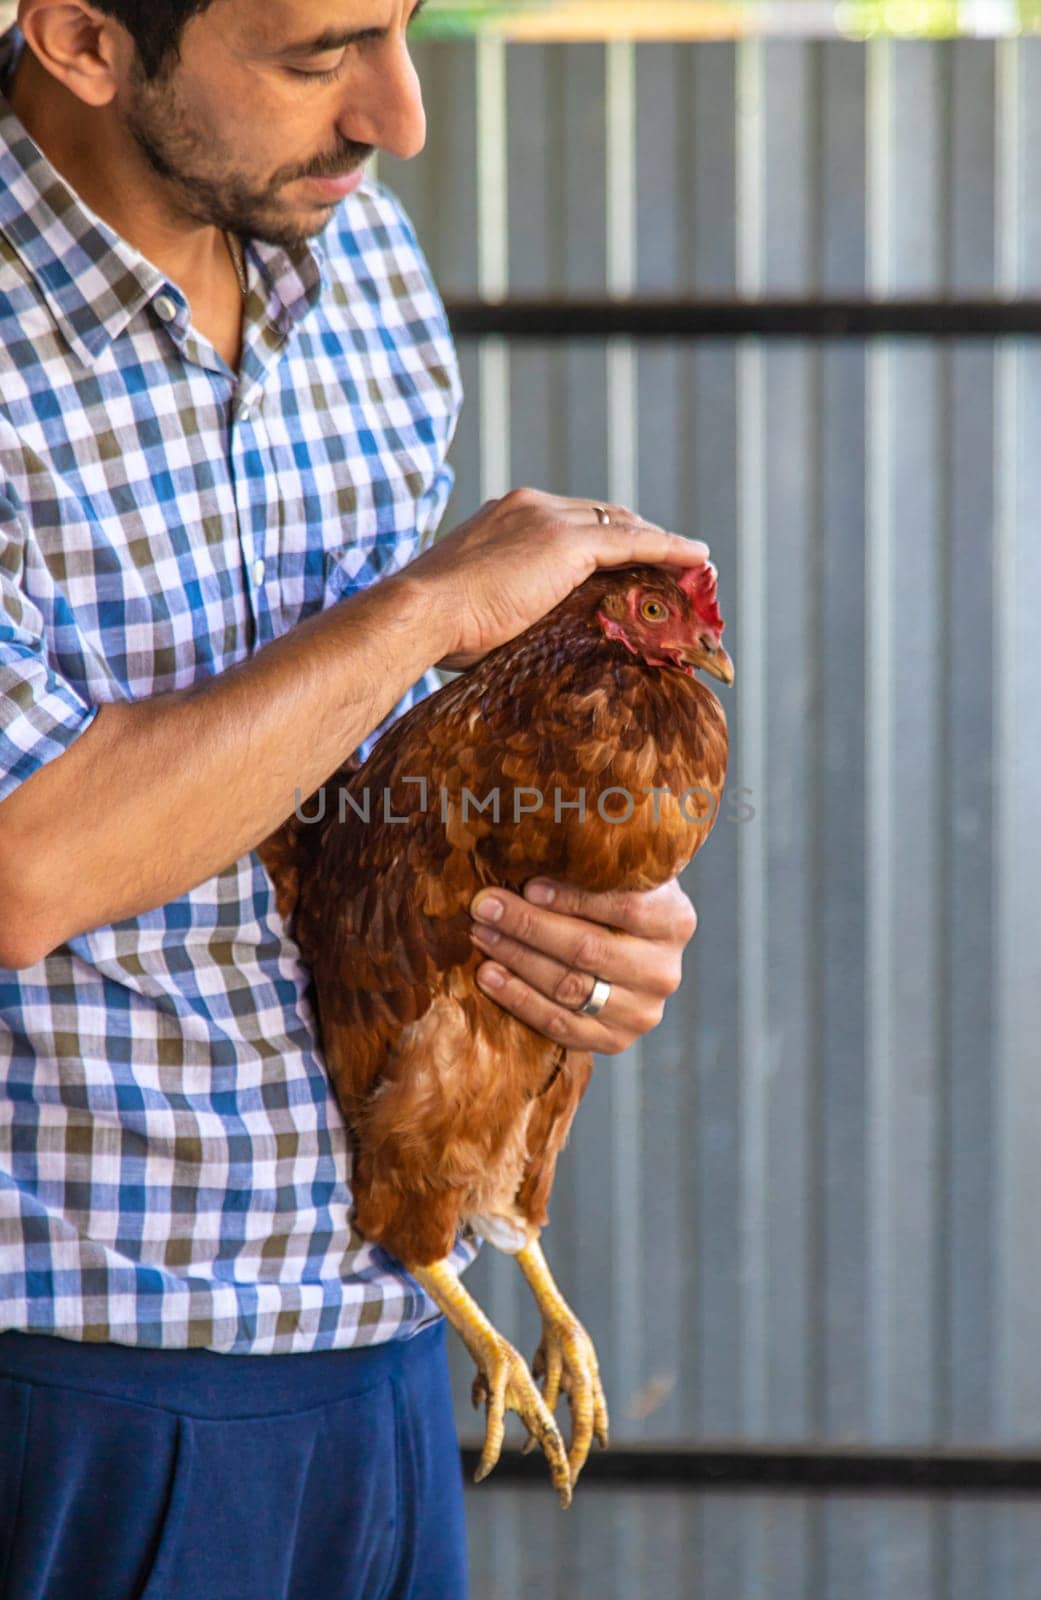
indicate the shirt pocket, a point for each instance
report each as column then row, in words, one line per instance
column 404, row 533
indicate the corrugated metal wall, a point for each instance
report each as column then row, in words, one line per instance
column 809, row 1208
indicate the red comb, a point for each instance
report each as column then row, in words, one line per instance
column 699, row 583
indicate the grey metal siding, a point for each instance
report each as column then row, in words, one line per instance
column 807, row 1207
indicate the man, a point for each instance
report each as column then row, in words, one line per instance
column 227, row 390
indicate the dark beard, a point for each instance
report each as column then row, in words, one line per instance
column 162, row 132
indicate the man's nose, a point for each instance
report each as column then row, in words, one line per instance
column 390, row 116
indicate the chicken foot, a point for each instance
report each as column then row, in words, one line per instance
column 566, row 1359
column 503, row 1380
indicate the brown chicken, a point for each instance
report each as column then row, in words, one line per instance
column 458, row 1110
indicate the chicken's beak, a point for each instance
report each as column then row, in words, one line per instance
column 718, row 663
column 710, row 658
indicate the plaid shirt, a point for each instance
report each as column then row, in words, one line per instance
column 173, row 1166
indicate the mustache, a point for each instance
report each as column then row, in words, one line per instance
column 347, row 159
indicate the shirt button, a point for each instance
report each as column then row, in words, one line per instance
column 259, row 569
column 165, row 308
column 244, row 413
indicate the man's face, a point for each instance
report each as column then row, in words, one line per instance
column 263, row 124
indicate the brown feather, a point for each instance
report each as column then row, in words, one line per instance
column 454, row 1104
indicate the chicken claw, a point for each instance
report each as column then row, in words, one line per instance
column 504, row 1381
column 566, row 1360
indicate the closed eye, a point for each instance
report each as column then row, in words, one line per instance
column 324, row 75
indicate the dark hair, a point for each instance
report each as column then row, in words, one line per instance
column 155, row 26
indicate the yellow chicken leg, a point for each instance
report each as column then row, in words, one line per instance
column 504, row 1381
column 566, row 1359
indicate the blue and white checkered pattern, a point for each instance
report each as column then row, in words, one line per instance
column 174, row 1170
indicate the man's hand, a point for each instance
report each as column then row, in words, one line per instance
column 518, row 557
column 550, row 946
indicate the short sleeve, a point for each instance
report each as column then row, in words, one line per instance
column 41, row 714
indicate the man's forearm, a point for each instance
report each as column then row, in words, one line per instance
column 158, row 795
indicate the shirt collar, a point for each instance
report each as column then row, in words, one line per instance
column 295, row 276
column 93, row 280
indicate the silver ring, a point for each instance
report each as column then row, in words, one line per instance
column 602, row 516
column 597, row 1000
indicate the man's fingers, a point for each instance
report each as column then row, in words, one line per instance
column 640, row 542
column 569, row 942
column 647, row 961
column 570, row 987
column 543, row 1016
column 664, row 914
column 627, row 537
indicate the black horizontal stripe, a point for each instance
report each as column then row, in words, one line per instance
column 737, row 319
column 821, row 1470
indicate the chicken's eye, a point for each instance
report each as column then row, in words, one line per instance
column 654, row 611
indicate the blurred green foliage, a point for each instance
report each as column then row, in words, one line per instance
column 863, row 19
column 859, row 19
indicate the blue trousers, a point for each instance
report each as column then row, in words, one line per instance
column 130, row 1474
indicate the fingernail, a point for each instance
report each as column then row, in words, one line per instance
column 491, row 977
column 488, row 910
column 539, row 893
column 483, row 936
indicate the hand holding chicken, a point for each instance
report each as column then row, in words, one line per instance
column 633, row 941
column 584, row 752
